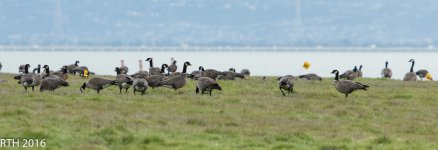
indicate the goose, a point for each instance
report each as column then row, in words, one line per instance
column 141, row 73
column 123, row 68
column 140, row 85
column 50, row 74
column 27, row 79
column 124, row 81
column 206, row 84
column 347, row 86
column 72, row 67
column 172, row 68
column 411, row 76
column 286, row 83
column 386, row 72
column 422, row 73
column 350, row 74
column 37, row 74
column 51, row 84
column 245, row 72
column 83, row 71
column 195, row 74
column 156, row 80
column 359, row 72
column 153, row 70
column 230, row 75
column 21, row 68
column 177, row 82
column 63, row 74
column 211, row 73
column 310, row 76
column 287, row 76
column 97, row 84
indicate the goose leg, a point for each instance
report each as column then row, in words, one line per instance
column 210, row 93
column 282, row 91
column 346, row 95
column 197, row 90
column 120, row 88
column 127, row 90
column 25, row 88
column 33, row 88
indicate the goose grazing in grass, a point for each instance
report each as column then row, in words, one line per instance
column 27, row 79
column 359, row 72
column 156, row 80
column 422, row 73
column 140, row 85
column 346, row 86
column 179, row 81
column 153, row 70
column 411, row 76
column 350, row 74
column 386, row 72
column 141, row 73
column 172, row 67
column 97, row 84
column 245, row 72
column 123, row 68
column 211, row 73
column 206, row 84
column 231, row 74
column 50, row 74
column 50, row 84
column 310, row 76
column 72, row 67
column 287, row 83
column 124, row 81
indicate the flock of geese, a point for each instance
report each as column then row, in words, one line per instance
column 167, row 76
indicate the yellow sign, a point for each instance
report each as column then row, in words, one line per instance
column 429, row 76
column 306, row 65
column 85, row 73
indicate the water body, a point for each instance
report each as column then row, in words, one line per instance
column 259, row 63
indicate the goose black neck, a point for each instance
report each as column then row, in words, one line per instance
column 26, row 69
column 337, row 76
column 386, row 65
column 184, row 69
column 162, row 68
column 47, row 71
column 118, row 71
column 151, row 64
column 412, row 66
column 76, row 63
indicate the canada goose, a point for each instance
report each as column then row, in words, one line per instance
column 72, row 67
column 97, row 83
column 153, row 70
column 173, row 67
column 83, row 71
column 140, row 85
column 422, row 73
column 141, row 73
column 231, row 75
column 310, row 76
column 37, row 69
column 211, row 73
column 359, row 72
column 156, row 80
column 245, row 72
column 347, row 86
column 179, row 81
column 123, row 68
column 51, row 84
column 287, row 76
column 206, row 84
column 350, row 74
column 21, row 68
column 411, row 76
column 124, row 81
column 49, row 74
column 63, row 74
column 286, row 83
column 386, row 72
column 27, row 79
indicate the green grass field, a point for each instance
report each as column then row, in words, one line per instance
column 247, row 114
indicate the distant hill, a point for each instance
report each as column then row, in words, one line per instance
column 219, row 22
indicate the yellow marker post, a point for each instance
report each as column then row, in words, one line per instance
column 86, row 73
column 429, row 76
column 306, row 65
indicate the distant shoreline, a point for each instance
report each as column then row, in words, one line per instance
column 212, row 49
